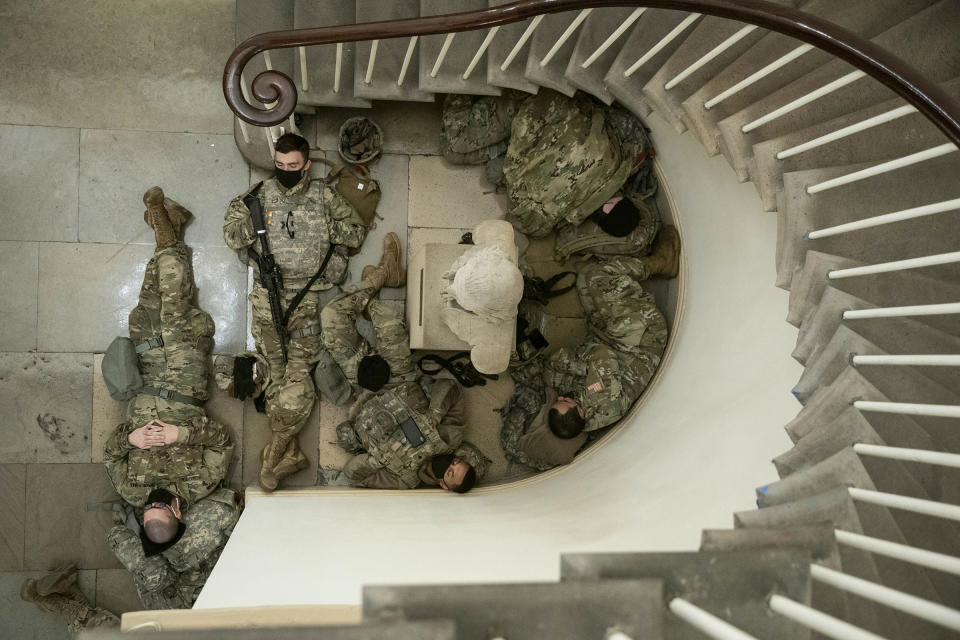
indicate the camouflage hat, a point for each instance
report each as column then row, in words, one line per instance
column 120, row 369
column 223, row 372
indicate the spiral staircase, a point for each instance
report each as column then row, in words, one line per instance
column 858, row 538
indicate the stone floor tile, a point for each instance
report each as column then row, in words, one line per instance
column 256, row 435
column 564, row 332
column 107, row 412
column 408, row 127
column 483, row 423
column 417, row 237
column 40, row 187
column 540, row 249
column 86, row 293
column 61, row 529
column 96, row 74
column 13, row 487
column 447, row 195
column 19, row 263
column 116, row 592
column 21, row 620
column 331, row 457
column 201, row 172
column 391, row 171
column 45, row 407
column 566, row 305
column 222, row 292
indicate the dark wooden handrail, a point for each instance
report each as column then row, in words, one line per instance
column 269, row 86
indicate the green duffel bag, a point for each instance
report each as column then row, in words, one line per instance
column 120, row 368
column 330, row 380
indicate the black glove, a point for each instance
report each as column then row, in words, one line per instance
column 243, row 384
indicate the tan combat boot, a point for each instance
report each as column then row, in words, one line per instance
column 391, row 263
column 156, row 216
column 665, row 257
column 62, row 581
column 269, row 458
column 375, row 275
column 292, row 461
column 178, row 214
column 70, row 610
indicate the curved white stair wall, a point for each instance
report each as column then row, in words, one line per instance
column 692, row 453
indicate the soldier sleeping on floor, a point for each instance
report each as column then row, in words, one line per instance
column 169, row 458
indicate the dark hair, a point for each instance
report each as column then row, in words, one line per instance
column 292, row 142
column 161, row 530
column 565, row 425
column 469, row 479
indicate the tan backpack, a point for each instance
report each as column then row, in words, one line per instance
column 354, row 183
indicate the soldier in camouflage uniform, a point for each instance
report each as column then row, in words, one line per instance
column 167, row 441
column 173, row 578
column 58, row 593
column 565, row 159
column 304, row 218
column 595, row 384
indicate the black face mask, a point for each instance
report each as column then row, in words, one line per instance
column 439, row 464
column 160, row 495
column 289, row 179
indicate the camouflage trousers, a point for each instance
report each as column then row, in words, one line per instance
column 348, row 347
column 154, row 578
column 290, row 394
column 181, row 363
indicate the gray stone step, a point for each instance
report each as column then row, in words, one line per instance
column 730, row 584
column 810, row 281
column 449, row 77
column 546, row 35
column 500, row 48
column 322, row 60
column 842, row 469
column 823, row 368
column 567, row 610
column 933, row 29
column 708, row 33
column 399, row 630
column 822, row 322
column 390, row 55
column 593, row 33
column 923, row 183
column 866, row 18
column 829, row 402
column 650, row 29
column 895, row 139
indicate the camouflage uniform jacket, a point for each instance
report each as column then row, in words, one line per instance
column 390, row 461
column 302, row 222
column 563, row 162
column 173, row 578
column 477, row 129
column 191, row 467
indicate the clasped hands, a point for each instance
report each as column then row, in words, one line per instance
column 155, row 433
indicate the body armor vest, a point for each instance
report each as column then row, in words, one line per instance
column 298, row 229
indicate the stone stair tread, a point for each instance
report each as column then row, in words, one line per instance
column 449, row 78
column 557, row 610
column 500, row 48
column 840, row 469
column 652, row 26
column 822, row 322
column 831, row 360
column 730, row 584
column 592, row 34
column 810, row 281
column 866, row 18
column 390, row 55
column 895, row 139
column 546, row 35
column 829, row 402
column 932, row 29
column 321, row 60
column 709, row 32
column 920, row 184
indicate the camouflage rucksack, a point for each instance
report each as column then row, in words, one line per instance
column 589, row 239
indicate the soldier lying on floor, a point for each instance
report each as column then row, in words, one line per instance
column 556, row 402
column 168, row 455
column 400, row 435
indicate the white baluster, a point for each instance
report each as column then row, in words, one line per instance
column 902, row 312
column 613, row 37
column 304, row 81
column 443, row 54
column 706, row 622
column 863, row 125
column 565, row 36
column 945, row 360
column 713, row 53
column 904, row 552
column 931, row 611
column 885, row 167
column 406, row 60
column 898, row 265
column 267, row 61
column 804, row 100
column 667, row 39
column 887, row 218
column 373, row 56
column 758, row 75
column 483, row 47
column 522, row 41
column 911, row 409
column 338, row 66
column 818, row 621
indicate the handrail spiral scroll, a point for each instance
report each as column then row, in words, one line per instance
column 273, row 86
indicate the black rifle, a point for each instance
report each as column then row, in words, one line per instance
column 270, row 277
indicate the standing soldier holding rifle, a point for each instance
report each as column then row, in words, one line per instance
column 296, row 232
